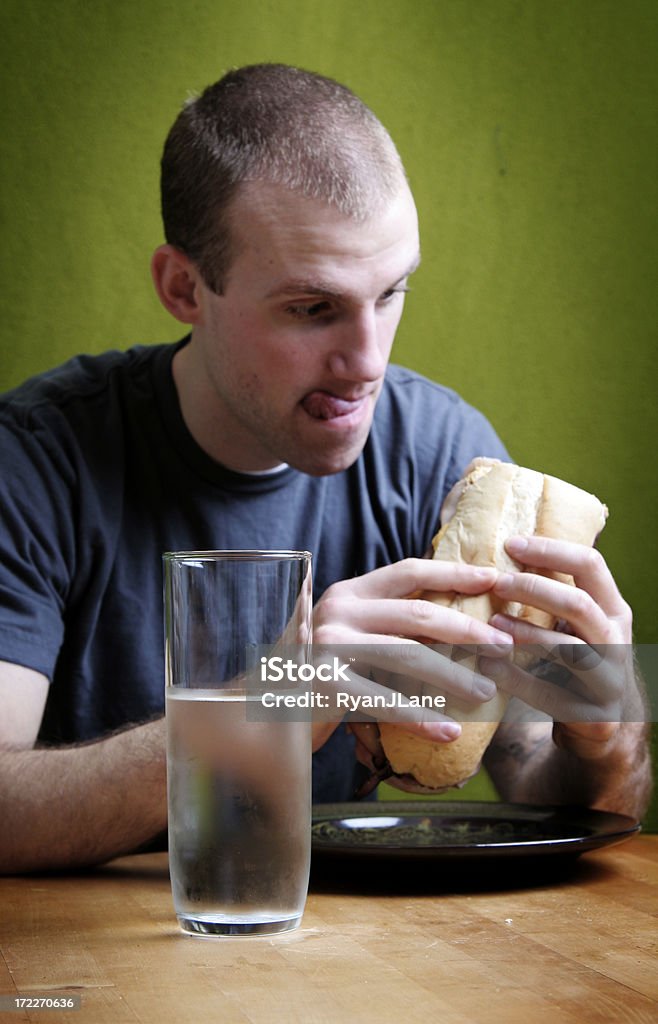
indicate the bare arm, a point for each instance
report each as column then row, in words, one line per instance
column 77, row 805
column 528, row 765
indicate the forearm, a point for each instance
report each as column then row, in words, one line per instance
column 527, row 766
column 73, row 806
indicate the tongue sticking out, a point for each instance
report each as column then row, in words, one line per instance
column 323, row 406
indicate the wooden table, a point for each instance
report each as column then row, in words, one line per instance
column 575, row 945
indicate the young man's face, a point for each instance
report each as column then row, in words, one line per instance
column 289, row 361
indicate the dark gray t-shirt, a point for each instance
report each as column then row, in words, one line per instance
column 100, row 476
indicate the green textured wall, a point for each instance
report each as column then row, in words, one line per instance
column 528, row 130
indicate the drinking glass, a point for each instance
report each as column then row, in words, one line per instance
column 238, row 786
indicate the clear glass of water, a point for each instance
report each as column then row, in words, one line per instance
column 239, row 787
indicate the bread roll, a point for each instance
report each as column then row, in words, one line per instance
column 495, row 501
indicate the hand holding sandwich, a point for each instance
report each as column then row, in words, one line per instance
column 592, row 615
column 603, row 763
column 550, row 591
column 374, row 613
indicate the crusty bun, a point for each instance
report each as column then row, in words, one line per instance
column 495, row 501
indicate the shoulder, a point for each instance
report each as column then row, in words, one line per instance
column 431, row 408
column 403, row 384
column 423, row 436
column 86, row 403
column 407, row 390
column 430, row 428
column 81, row 379
column 75, row 416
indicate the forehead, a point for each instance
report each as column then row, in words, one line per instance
column 282, row 236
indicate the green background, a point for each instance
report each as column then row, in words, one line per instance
column 528, row 132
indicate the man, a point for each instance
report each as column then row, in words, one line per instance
column 291, row 236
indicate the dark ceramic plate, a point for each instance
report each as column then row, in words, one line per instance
column 436, row 828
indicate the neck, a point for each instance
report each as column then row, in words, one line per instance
column 203, row 417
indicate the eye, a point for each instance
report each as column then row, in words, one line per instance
column 390, row 293
column 309, row 310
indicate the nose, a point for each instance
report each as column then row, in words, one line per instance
column 361, row 348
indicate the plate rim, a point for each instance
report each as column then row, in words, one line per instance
column 607, row 828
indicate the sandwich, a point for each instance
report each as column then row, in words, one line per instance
column 494, row 501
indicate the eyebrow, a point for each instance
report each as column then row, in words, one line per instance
column 307, row 286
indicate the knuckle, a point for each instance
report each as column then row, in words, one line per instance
column 326, row 617
column 328, row 609
column 593, row 560
column 472, row 630
column 328, row 635
column 409, row 653
column 531, row 582
column 626, row 616
column 332, row 593
column 412, row 568
column 610, row 634
column 577, row 604
column 420, row 610
column 322, row 635
column 580, row 603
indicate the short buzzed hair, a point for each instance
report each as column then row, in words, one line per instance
column 276, row 124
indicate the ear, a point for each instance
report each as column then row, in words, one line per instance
column 177, row 282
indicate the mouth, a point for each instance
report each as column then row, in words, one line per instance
column 324, row 405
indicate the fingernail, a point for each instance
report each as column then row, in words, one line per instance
column 504, row 581
column 439, row 732
column 503, row 640
column 516, row 545
column 484, row 689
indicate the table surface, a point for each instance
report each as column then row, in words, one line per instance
column 379, row 942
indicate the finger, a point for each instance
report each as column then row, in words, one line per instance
column 365, row 699
column 585, row 564
column 368, row 746
column 603, row 672
column 596, row 668
column 562, row 701
column 536, row 648
column 367, row 757
column 435, row 732
column 526, row 634
column 412, row 574
column 366, row 735
column 586, row 619
column 416, row 618
column 417, row 670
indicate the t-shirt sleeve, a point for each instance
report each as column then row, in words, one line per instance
column 462, row 433
column 35, row 550
column 473, row 437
